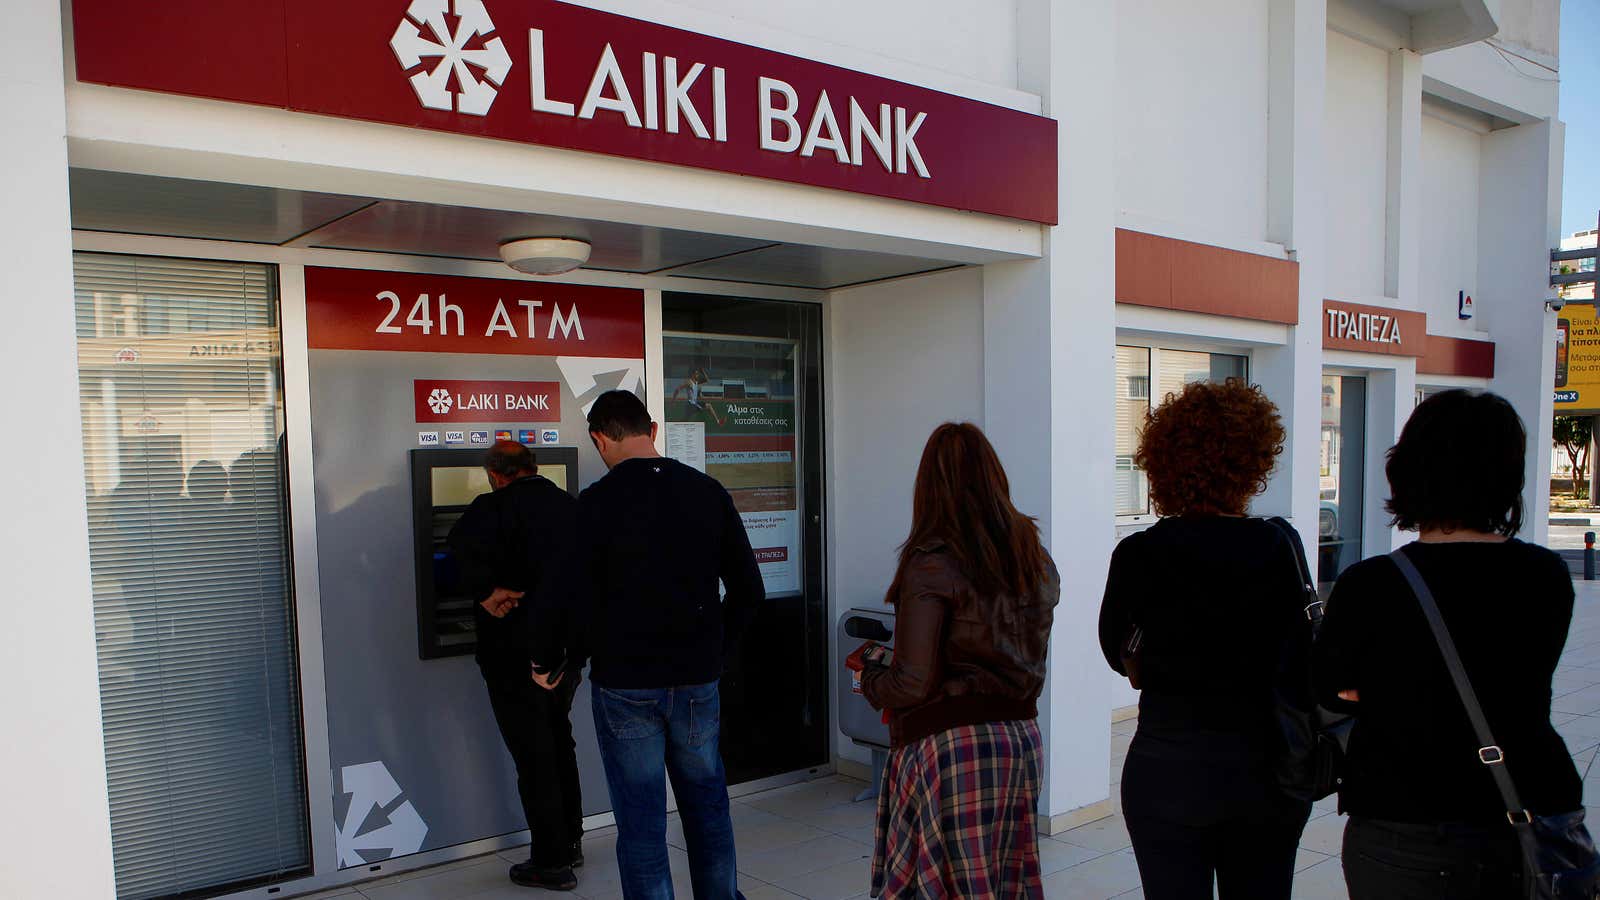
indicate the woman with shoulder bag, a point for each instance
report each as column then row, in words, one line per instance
column 1206, row 609
column 1446, row 651
column 975, row 595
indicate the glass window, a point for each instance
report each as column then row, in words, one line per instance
column 1133, row 402
column 1342, row 477
column 743, row 400
column 178, row 364
column 1169, row 370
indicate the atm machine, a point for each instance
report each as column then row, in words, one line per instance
column 444, row 483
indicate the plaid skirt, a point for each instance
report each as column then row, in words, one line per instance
column 956, row 817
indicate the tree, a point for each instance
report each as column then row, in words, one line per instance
column 1573, row 434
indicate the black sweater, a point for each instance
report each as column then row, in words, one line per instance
column 521, row 537
column 1221, row 603
column 658, row 536
column 1413, row 757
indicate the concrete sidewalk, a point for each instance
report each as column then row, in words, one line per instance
column 810, row 840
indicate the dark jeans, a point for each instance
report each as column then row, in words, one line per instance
column 537, row 727
column 673, row 732
column 1405, row 861
column 1244, row 839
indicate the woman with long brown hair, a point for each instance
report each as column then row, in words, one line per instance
column 975, row 594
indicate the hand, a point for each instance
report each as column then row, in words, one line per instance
column 1350, row 696
column 501, row 602
column 545, row 681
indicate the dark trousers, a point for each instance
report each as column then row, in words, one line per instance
column 1404, row 861
column 1192, row 828
column 537, row 727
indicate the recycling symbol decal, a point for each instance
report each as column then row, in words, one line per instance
column 479, row 70
column 440, row 401
column 372, row 829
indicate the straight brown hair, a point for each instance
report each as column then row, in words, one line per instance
column 963, row 498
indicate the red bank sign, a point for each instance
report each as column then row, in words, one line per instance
column 355, row 309
column 486, row 401
column 545, row 72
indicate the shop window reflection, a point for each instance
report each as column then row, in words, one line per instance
column 1138, row 368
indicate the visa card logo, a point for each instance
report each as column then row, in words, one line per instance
column 478, row 438
column 455, row 437
column 428, row 438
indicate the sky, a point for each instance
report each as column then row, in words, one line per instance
column 1580, row 109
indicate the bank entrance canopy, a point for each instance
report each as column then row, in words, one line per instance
column 175, row 207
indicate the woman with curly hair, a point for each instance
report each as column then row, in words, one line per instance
column 1206, row 609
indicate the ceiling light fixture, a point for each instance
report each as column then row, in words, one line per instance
column 545, row 255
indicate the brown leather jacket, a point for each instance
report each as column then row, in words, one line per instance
column 960, row 658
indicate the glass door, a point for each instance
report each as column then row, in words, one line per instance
column 743, row 401
column 1343, row 486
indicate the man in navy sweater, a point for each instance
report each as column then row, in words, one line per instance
column 658, row 537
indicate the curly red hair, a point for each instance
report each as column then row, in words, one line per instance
column 1209, row 449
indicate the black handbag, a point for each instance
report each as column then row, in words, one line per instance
column 1559, row 861
column 1314, row 738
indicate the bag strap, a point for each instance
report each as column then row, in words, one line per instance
column 1489, row 753
column 1313, row 608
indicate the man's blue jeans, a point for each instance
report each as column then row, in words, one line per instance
column 645, row 734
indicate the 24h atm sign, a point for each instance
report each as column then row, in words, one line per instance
column 562, row 75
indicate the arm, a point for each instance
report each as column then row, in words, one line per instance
column 740, row 573
column 558, row 586
column 1123, row 590
column 472, row 540
column 918, row 639
column 1335, row 655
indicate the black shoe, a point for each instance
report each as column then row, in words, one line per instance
column 529, row 875
column 577, row 854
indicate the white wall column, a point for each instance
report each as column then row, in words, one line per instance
column 1292, row 374
column 1049, row 374
column 1403, row 254
column 1391, row 396
column 1519, row 208
column 56, row 831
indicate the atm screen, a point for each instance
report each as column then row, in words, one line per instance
column 443, row 484
column 460, row 485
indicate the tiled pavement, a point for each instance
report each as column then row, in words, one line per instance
column 810, row 840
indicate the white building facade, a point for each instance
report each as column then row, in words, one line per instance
column 1350, row 203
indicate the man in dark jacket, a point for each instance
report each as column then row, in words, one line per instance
column 658, row 537
column 516, row 548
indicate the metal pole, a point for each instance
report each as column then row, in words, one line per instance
column 1588, row 556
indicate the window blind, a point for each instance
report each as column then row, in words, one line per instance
column 179, row 375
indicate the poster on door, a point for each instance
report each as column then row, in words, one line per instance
column 731, row 414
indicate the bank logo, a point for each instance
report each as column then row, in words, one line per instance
column 478, row 438
column 440, row 401
column 371, row 790
column 479, row 71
